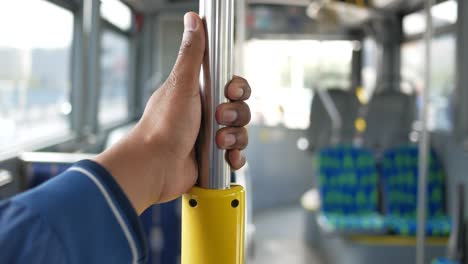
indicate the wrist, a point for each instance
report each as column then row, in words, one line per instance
column 136, row 165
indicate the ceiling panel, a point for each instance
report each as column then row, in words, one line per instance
column 151, row 6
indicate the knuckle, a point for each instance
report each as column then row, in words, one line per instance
column 220, row 135
column 242, row 163
column 243, row 138
column 244, row 105
column 245, row 110
column 174, row 79
column 248, row 92
column 249, row 117
column 187, row 43
column 244, row 83
column 239, row 106
column 241, row 79
column 222, row 107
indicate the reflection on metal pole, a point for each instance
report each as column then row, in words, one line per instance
column 241, row 36
column 217, row 71
column 424, row 142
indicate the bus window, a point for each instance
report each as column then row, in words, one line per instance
column 444, row 14
column 284, row 83
column 443, row 77
column 35, row 51
column 113, row 103
column 116, row 13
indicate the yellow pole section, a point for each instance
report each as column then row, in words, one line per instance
column 213, row 226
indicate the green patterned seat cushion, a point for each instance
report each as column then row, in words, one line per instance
column 366, row 223
column 444, row 261
column 440, row 226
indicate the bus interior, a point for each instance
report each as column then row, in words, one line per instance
column 351, row 99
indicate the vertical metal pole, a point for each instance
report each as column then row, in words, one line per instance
column 356, row 62
column 213, row 213
column 149, row 53
column 461, row 93
column 77, row 93
column 241, row 35
column 218, row 16
column 92, row 36
column 389, row 59
column 424, row 148
column 134, row 91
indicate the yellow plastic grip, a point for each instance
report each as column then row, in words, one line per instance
column 213, row 226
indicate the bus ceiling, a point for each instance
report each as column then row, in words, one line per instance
column 312, row 19
column 394, row 6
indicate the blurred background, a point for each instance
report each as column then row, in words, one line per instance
column 336, row 125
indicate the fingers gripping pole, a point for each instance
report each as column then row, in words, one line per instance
column 213, row 213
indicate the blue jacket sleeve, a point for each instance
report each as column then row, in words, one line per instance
column 81, row 216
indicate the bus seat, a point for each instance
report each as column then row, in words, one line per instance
column 162, row 226
column 444, row 261
column 400, row 182
column 38, row 167
column 320, row 129
column 39, row 173
column 398, row 111
column 349, row 191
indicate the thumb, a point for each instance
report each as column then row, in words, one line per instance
column 186, row 71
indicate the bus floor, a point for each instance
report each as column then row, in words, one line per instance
column 279, row 238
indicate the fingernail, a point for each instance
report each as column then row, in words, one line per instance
column 190, row 22
column 239, row 92
column 229, row 140
column 230, row 116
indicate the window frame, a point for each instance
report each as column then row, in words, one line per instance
column 86, row 88
column 129, row 36
column 438, row 32
column 72, row 6
column 461, row 90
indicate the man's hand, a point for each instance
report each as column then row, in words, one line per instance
column 156, row 162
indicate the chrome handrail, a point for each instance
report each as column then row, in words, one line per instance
column 218, row 17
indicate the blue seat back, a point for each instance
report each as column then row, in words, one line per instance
column 40, row 172
column 162, row 225
column 400, row 181
column 348, row 180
